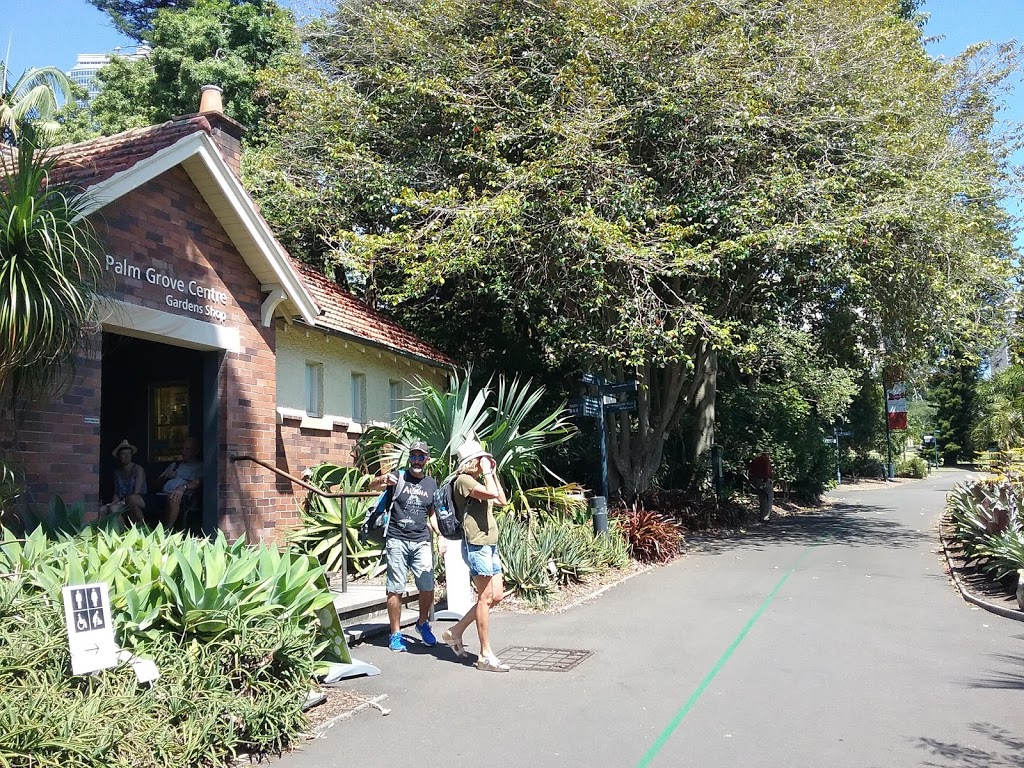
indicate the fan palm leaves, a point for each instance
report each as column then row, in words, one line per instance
column 446, row 419
column 49, row 274
column 1002, row 417
column 32, row 98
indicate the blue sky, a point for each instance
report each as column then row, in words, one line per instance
column 52, row 32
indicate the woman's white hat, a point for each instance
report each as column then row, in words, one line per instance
column 121, row 446
column 468, row 451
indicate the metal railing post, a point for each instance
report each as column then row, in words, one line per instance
column 344, row 548
column 322, row 494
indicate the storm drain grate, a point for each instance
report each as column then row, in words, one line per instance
column 543, row 659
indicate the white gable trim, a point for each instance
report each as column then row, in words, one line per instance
column 230, row 203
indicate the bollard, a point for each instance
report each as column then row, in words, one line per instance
column 599, row 509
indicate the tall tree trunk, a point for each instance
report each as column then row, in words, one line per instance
column 701, row 435
column 637, row 443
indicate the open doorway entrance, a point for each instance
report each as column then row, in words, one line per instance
column 157, row 396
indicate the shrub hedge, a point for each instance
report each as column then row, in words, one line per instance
column 232, row 628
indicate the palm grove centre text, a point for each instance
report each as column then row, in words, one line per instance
column 193, row 288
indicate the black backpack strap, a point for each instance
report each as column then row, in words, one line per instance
column 398, row 487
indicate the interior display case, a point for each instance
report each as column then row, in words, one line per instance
column 168, row 420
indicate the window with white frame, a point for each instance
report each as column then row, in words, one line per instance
column 359, row 398
column 314, row 389
column 395, row 398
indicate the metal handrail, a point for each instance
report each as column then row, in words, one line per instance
column 323, row 494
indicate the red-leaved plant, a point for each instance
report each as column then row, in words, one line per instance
column 652, row 537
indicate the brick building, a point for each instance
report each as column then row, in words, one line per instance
column 210, row 329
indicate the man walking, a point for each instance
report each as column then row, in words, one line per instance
column 408, row 544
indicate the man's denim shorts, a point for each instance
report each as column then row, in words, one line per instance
column 483, row 559
column 403, row 556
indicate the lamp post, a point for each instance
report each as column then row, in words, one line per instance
column 935, row 435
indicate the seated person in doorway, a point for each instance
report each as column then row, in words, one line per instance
column 179, row 480
column 129, row 485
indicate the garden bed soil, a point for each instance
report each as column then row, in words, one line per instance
column 340, row 705
column 571, row 595
column 974, row 580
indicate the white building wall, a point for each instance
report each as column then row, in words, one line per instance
column 297, row 344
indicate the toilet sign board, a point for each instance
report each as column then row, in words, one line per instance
column 90, row 630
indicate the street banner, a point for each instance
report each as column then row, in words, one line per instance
column 896, row 407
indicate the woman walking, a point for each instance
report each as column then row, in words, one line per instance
column 477, row 491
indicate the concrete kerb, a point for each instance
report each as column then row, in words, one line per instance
column 999, row 610
column 375, row 702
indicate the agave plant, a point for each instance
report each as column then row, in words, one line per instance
column 509, row 428
column 324, row 531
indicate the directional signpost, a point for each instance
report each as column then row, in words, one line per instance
column 585, row 406
column 834, row 440
column 597, row 407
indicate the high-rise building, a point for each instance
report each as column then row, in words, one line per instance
column 88, row 64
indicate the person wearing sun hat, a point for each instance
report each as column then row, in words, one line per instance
column 408, row 545
column 129, row 484
column 477, row 491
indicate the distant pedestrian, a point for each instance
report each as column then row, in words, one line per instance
column 760, row 473
column 408, row 545
column 477, row 491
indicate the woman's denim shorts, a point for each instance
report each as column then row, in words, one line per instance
column 483, row 559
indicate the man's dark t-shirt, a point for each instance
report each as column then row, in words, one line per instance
column 412, row 508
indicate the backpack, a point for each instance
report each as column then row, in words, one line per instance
column 448, row 523
column 374, row 529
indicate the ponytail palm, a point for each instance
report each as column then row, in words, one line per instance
column 49, row 271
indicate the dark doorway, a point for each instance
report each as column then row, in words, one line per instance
column 153, row 396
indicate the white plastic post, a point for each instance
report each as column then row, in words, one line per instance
column 460, row 589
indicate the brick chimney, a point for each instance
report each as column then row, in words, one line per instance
column 225, row 132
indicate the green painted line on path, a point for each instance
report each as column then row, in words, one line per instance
column 666, row 734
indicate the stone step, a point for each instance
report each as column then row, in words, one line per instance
column 363, row 610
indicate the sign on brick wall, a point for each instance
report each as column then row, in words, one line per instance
column 190, row 296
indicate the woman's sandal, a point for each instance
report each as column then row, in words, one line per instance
column 491, row 664
column 453, row 643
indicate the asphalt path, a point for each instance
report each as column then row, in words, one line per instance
column 829, row 639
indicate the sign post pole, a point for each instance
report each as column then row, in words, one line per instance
column 839, row 471
column 604, row 450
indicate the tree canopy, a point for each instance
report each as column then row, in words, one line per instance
column 637, row 186
column 202, row 42
column 135, row 17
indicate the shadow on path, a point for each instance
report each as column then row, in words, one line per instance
column 1012, row 677
column 850, row 524
column 1006, row 752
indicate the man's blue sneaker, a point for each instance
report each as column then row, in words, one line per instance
column 397, row 643
column 425, row 634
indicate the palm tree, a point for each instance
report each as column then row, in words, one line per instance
column 34, row 98
column 446, row 419
column 1002, row 417
column 49, row 274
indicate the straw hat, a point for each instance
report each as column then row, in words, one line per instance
column 121, row 446
column 468, row 451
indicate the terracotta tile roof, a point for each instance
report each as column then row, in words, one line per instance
column 346, row 314
column 96, row 160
